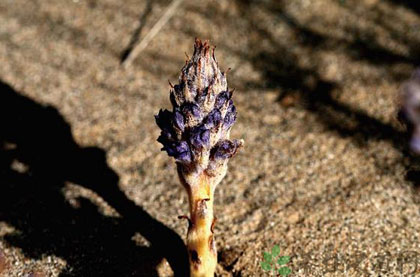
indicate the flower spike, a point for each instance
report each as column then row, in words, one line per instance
column 197, row 134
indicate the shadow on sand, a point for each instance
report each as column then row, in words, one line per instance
column 39, row 140
column 279, row 68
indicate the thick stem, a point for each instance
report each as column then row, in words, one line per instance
column 200, row 240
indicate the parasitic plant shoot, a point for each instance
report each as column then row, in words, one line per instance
column 196, row 133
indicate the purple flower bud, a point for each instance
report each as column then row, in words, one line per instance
column 230, row 116
column 176, row 95
column 179, row 120
column 199, row 137
column 225, row 149
column 222, row 98
column 164, row 119
column 191, row 110
column 213, row 119
column 183, row 153
column 165, row 137
column 179, row 150
column 179, row 87
column 184, row 157
column 201, row 97
column 173, row 99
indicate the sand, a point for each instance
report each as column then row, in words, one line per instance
column 324, row 174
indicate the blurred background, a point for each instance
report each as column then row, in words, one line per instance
column 85, row 190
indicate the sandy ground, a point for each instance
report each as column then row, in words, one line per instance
column 86, row 191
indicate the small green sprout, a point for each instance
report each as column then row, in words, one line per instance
column 270, row 261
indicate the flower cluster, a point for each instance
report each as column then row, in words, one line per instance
column 196, row 131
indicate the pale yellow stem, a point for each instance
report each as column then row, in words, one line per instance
column 200, row 240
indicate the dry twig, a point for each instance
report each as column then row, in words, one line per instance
column 170, row 11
